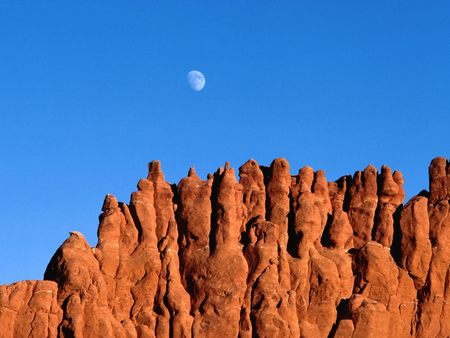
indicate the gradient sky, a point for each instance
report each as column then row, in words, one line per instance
column 90, row 91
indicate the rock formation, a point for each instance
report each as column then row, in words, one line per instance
column 270, row 255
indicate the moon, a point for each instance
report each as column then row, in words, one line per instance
column 196, row 80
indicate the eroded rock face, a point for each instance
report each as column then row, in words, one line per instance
column 82, row 291
column 29, row 309
column 270, row 255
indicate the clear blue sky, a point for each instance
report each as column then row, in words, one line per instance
column 90, row 91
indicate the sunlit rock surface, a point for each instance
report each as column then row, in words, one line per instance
column 268, row 254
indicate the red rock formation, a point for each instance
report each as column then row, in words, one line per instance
column 29, row 309
column 273, row 255
column 434, row 297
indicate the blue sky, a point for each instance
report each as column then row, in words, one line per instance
column 92, row 91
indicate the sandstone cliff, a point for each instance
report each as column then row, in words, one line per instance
column 270, row 255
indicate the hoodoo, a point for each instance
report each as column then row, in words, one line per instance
column 270, row 254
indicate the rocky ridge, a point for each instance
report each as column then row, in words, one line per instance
column 270, row 255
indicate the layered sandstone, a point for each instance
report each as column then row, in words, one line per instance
column 269, row 255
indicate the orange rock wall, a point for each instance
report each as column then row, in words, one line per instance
column 270, row 255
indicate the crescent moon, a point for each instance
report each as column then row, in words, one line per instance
column 196, row 80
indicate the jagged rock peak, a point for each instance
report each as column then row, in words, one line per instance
column 192, row 173
column 155, row 173
column 270, row 255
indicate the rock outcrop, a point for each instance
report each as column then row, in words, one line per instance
column 29, row 309
column 270, row 255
